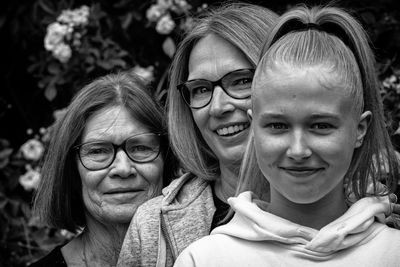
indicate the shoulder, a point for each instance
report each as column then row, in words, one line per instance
column 387, row 234
column 54, row 258
column 183, row 184
column 174, row 190
column 383, row 240
column 219, row 245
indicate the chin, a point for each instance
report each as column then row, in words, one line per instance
column 121, row 216
column 303, row 198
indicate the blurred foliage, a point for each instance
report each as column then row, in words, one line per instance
column 43, row 66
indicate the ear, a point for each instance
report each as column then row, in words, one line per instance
column 362, row 127
column 250, row 115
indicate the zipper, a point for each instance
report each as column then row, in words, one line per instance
column 166, row 236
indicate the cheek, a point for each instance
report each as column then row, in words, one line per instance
column 200, row 117
column 90, row 181
column 339, row 147
column 267, row 147
column 153, row 172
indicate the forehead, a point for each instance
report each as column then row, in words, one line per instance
column 112, row 123
column 213, row 57
column 316, row 89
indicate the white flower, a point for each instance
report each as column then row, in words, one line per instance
column 155, row 12
column 180, row 6
column 30, row 180
column 59, row 113
column 32, row 149
column 62, row 52
column 42, row 130
column 187, row 24
column 145, row 73
column 165, row 3
column 75, row 17
column 165, row 25
column 56, row 33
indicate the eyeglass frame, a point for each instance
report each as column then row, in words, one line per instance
column 180, row 88
column 115, row 149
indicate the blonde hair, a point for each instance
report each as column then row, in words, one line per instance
column 243, row 25
column 331, row 37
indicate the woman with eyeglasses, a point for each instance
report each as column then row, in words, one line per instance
column 209, row 95
column 108, row 155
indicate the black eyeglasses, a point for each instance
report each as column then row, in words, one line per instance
column 99, row 155
column 199, row 92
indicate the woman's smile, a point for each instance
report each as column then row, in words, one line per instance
column 301, row 172
column 232, row 129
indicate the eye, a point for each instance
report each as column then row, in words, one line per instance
column 277, row 127
column 322, row 126
column 95, row 150
column 200, row 90
column 142, row 148
column 243, row 81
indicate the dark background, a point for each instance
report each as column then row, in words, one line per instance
column 23, row 105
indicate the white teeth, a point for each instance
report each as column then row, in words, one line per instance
column 232, row 129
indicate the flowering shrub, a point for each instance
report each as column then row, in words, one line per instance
column 391, row 101
column 23, row 237
column 81, row 41
column 86, row 42
column 66, row 32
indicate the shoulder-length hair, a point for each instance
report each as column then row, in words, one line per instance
column 331, row 37
column 58, row 200
column 243, row 25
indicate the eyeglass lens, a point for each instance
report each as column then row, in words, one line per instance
column 236, row 84
column 99, row 155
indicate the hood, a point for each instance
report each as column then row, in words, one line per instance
column 182, row 191
column 250, row 222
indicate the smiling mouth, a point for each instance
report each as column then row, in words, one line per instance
column 233, row 129
column 301, row 172
column 122, row 191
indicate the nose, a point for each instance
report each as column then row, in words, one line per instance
column 122, row 167
column 298, row 148
column 220, row 102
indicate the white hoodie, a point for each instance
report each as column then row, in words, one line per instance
column 257, row 238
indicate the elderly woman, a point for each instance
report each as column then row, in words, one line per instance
column 107, row 156
column 213, row 70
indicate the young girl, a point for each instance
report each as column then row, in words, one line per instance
column 316, row 122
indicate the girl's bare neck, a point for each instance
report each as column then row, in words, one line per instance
column 315, row 215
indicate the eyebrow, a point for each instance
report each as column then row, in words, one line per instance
column 324, row 115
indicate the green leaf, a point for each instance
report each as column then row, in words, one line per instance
column 53, row 68
column 169, row 47
column 50, row 93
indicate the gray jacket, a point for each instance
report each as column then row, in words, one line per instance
column 164, row 226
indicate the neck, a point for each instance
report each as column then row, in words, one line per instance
column 225, row 186
column 315, row 215
column 103, row 241
column 98, row 245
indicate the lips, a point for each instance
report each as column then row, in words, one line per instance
column 123, row 190
column 232, row 129
column 301, row 171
